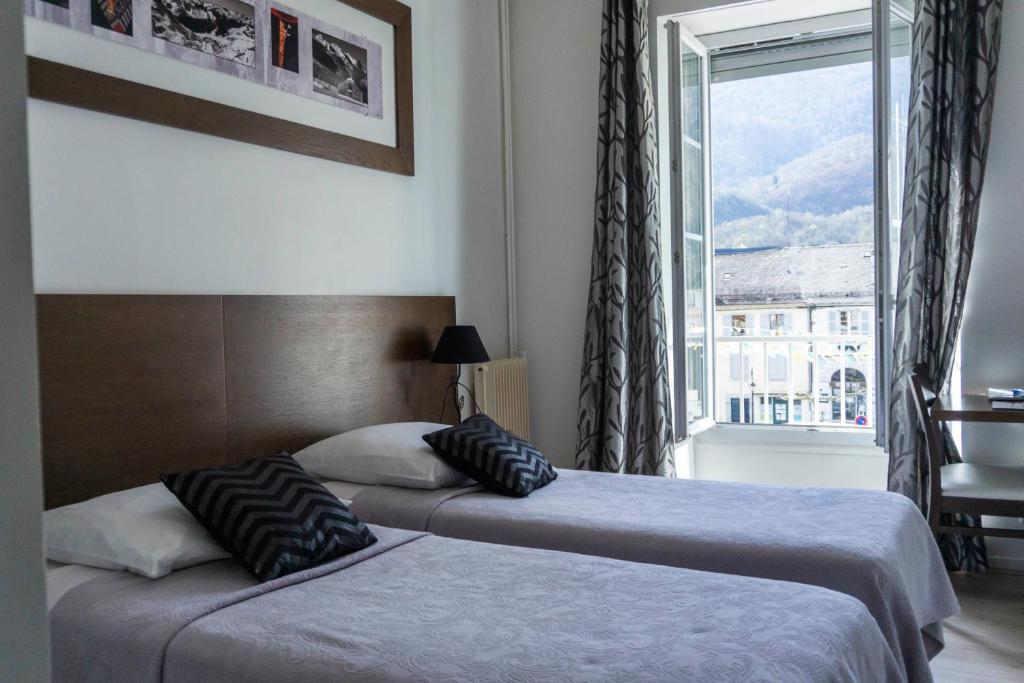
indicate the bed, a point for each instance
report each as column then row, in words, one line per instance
column 133, row 386
column 871, row 545
column 417, row 607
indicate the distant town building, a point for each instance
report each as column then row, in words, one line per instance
column 794, row 333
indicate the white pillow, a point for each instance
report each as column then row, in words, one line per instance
column 388, row 454
column 144, row 530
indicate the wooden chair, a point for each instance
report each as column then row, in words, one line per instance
column 965, row 488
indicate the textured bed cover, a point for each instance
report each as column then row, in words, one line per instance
column 872, row 545
column 416, row 607
column 61, row 578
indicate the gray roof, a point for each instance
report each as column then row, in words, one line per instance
column 795, row 275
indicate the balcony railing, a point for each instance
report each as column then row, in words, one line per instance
column 820, row 380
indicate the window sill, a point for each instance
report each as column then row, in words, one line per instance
column 840, row 441
column 697, row 428
column 789, row 456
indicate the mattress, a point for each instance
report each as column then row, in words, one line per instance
column 874, row 546
column 417, row 607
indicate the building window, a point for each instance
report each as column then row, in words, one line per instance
column 863, row 324
column 779, row 323
column 778, row 367
column 735, row 367
column 739, row 325
column 838, row 323
column 850, row 322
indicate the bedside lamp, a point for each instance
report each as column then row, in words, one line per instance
column 458, row 344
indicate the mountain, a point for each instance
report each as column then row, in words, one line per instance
column 830, row 179
column 792, row 158
column 777, row 228
column 730, row 207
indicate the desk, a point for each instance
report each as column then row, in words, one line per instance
column 972, row 408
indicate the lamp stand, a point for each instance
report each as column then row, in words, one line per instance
column 457, row 399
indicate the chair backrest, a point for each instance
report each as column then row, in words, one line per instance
column 924, row 396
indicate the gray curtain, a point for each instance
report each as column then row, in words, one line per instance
column 624, row 409
column 954, row 55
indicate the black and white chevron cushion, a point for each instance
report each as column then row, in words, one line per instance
column 481, row 449
column 270, row 514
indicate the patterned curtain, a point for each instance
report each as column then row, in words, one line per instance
column 954, row 55
column 625, row 411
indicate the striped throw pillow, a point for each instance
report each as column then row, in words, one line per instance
column 481, row 449
column 270, row 515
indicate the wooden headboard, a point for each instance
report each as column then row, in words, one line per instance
column 132, row 386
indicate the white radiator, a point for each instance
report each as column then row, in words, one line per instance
column 501, row 392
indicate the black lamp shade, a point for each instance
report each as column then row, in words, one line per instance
column 460, row 344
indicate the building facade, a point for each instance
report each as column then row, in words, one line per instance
column 795, row 336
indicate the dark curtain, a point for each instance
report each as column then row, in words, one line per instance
column 954, row 55
column 624, row 409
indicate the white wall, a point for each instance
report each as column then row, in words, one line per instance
column 789, row 456
column 125, row 206
column 555, row 70
column 24, row 649
column 994, row 318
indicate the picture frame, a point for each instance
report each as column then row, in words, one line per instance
column 73, row 86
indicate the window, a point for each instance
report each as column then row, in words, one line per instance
column 735, row 367
column 778, row 367
column 864, row 321
column 792, row 193
column 779, row 323
column 786, row 116
column 838, row 323
column 850, row 322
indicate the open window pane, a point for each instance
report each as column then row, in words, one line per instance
column 899, row 109
column 693, row 187
column 695, row 380
column 690, row 81
column 892, row 20
column 693, row 266
column 690, row 204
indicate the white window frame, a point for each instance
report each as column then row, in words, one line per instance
column 882, row 12
column 675, row 37
column 797, row 56
column 793, row 54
